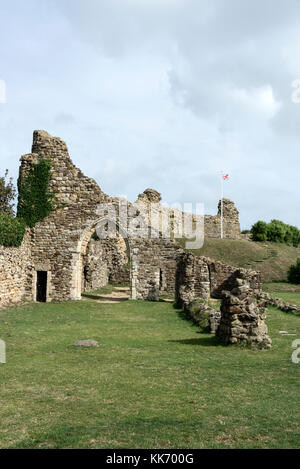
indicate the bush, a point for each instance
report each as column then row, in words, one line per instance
column 294, row 273
column 7, row 194
column 276, row 232
column 260, row 231
column 12, row 230
column 199, row 312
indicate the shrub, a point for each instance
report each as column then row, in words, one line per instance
column 294, row 273
column 199, row 312
column 277, row 232
column 7, row 194
column 12, row 230
column 295, row 235
column 260, row 231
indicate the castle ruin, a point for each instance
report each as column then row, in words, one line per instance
column 61, row 257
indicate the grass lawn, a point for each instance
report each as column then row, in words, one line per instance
column 287, row 291
column 155, row 381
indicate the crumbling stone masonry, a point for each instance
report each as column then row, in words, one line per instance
column 231, row 223
column 243, row 316
column 211, row 224
column 61, row 253
column 16, row 273
column 202, row 277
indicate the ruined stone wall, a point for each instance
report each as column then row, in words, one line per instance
column 231, row 223
column 61, row 244
column 55, row 239
column 154, row 265
column 185, row 224
column 95, row 274
column 202, row 277
column 243, row 315
column 106, row 261
column 16, row 277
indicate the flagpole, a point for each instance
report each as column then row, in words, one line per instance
column 222, row 195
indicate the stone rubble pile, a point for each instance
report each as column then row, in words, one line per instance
column 280, row 304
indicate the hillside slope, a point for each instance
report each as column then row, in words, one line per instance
column 271, row 259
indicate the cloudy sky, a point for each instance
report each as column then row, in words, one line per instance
column 162, row 94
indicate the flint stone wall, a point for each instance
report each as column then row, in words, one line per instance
column 280, row 304
column 243, row 316
column 201, row 277
column 106, row 261
column 154, row 267
column 231, row 223
column 15, row 273
column 61, row 244
column 209, row 224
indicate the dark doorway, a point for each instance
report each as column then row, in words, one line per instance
column 41, row 287
column 161, row 279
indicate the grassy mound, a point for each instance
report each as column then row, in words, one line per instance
column 271, row 259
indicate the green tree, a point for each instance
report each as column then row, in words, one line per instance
column 259, row 231
column 276, row 231
column 7, row 194
column 12, row 230
column 295, row 232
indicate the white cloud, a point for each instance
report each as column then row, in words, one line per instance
column 259, row 100
column 160, row 93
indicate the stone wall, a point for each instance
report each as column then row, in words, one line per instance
column 15, row 273
column 231, row 223
column 185, row 223
column 201, row 277
column 243, row 316
column 280, row 304
column 62, row 243
column 153, row 268
column 56, row 241
column 105, row 261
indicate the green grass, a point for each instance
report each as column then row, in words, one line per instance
column 106, row 290
column 271, row 259
column 287, row 291
column 154, row 382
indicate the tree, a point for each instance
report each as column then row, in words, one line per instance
column 276, row 231
column 7, row 194
column 259, row 231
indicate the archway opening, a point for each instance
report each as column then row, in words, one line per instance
column 103, row 264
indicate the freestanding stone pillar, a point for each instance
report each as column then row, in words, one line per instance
column 243, row 317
